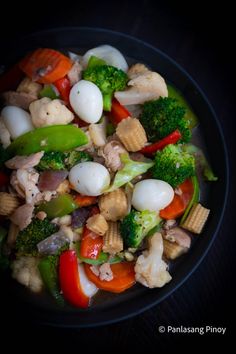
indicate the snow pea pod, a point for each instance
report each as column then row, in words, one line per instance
column 51, row 138
column 48, row 271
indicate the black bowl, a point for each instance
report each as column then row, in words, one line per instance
column 137, row 299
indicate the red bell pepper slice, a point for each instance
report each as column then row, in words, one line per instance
column 118, row 112
column 70, row 280
column 123, row 277
column 172, row 138
column 64, row 87
column 179, row 203
column 91, row 244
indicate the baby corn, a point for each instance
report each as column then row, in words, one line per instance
column 196, row 219
column 8, row 203
column 113, row 206
column 112, row 241
column 97, row 223
column 132, row 134
column 172, row 250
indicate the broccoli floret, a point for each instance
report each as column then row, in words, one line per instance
column 161, row 117
column 53, row 160
column 74, row 157
column 36, row 231
column 136, row 225
column 56, row 160
column 173, row 165
column 109, row 79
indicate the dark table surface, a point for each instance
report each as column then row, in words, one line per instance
column 201, row 41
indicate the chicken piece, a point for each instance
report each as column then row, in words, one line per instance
column 24, row 182
column 132, row 134
column 150, row 269
column 105, row 272
column 145, row 85
column 30, row 87
column 16, row 185
column 169, row 224
column 25, row 271
column 5, row 137
column 75, row 73
column 113, row 205
column 19, row 99
column 24, row 162
column 97, row 223
column 22, row 216
column 111, row 153
column 46, row 112
column 137, row 70
column 45, row 196
column 178, row 235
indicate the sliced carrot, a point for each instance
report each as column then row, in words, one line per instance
column 178, row 205
column 84, row 200
column 45, row 65
column 123, row 277
column 91, row 244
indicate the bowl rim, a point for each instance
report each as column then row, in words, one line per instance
column 226, row 161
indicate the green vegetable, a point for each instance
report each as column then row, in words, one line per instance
column 161, row 117
column 201, row 159
column 109, row 79
column 36, row 231
column 130, row 170
column 74, row 157
column 173, row 165
column 95, row 61
column 48, row 268
column 4, row 261
column 48, row 271
column 102, row 258
column 155, row 229
column 189, row 114
column 194, row 199
column 57, row 160
column 62, row 205
column 136, row 225
column 4, row 156
column 52, row 160
column 110, row 129
column 52, row 138
column 49, row 92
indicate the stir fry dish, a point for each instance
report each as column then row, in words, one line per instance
column 99, row 180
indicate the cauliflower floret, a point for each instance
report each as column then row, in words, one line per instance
column 25, row 271
column 30, row 87
column 46, row 112
column 150, row 269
